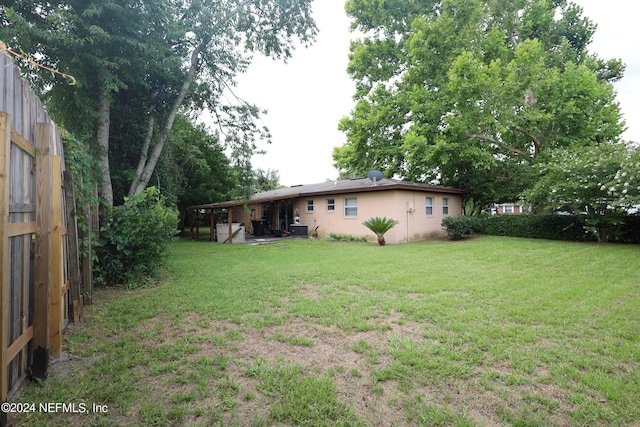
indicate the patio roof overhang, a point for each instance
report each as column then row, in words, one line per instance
column 358, row 185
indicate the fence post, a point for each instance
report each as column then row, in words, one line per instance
column 5, row 141
column 56, row 313
column 42, row 285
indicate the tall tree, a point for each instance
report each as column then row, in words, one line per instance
column 266, row 180
column 195, row 169
column 101, row 43
column 166, row 55
column 447, row 89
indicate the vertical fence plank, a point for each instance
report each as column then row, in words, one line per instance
column 5, row 62
column 73, row 252
column 10, row 77
column 43, row 237
column 5, row 142
column 56, row 314
column 85, row 264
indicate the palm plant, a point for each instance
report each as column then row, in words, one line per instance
column 380, row 226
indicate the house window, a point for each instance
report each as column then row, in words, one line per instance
column 445, row 206
column 429, row 206
column 331, row 205
column 309, row 205
column 265, row 211
column 508, row 209
column 351, row 206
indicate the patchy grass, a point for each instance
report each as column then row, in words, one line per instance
column 491, row 331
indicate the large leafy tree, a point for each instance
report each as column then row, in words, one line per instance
column 266, row 180
column 146, row 60
column 472, row 93
column 108, row 46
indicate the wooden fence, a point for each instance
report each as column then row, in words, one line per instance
column 40, row 280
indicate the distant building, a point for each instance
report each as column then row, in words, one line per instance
column 509, row 209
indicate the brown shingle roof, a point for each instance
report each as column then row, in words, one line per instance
column 355, row 185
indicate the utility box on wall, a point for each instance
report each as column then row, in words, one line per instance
column 299, row 229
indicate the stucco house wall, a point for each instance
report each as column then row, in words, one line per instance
column 407, row 207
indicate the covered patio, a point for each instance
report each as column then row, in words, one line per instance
column 215, row 221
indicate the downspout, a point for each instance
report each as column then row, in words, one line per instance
column 410, row 208
column 407, row 209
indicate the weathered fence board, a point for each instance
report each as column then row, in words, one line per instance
column 42, row 285
column 73, row 266
column 5, row 142
column 56, row 301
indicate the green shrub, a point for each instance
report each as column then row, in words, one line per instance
column 459, row 227
column 556, row 227
column 552, row 227
column 136, row 239
column 630, row 229
column 346, row 238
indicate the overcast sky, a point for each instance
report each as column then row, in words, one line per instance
column 307, row 96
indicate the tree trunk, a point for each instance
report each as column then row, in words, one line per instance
column 381, row 241
column 144, row 154
column 144, row 173
column 102, row 135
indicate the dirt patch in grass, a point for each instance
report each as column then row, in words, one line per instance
column 331, row 351
column 67, row 365
column 204, row 377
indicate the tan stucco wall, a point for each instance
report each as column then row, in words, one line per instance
column 408, row 207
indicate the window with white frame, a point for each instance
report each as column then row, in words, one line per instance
column 508, row 209
column 331, row 205
column 429, row 210
column 309, row 205
column 445, row 206
column 351, row 206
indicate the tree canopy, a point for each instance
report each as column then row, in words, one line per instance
column 139, row 63
column 473, row 93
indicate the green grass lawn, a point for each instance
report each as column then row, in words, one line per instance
column 489, row 331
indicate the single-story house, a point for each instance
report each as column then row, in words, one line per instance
column 340, row 207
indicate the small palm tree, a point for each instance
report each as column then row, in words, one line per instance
column 380, row 226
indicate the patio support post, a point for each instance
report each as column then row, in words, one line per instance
column 212, row 231
column 191, row 223
column 197, row 224
column 230, row 225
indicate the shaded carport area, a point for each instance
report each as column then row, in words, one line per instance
column 269, row 222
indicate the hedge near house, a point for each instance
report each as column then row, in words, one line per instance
column 554, row 227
